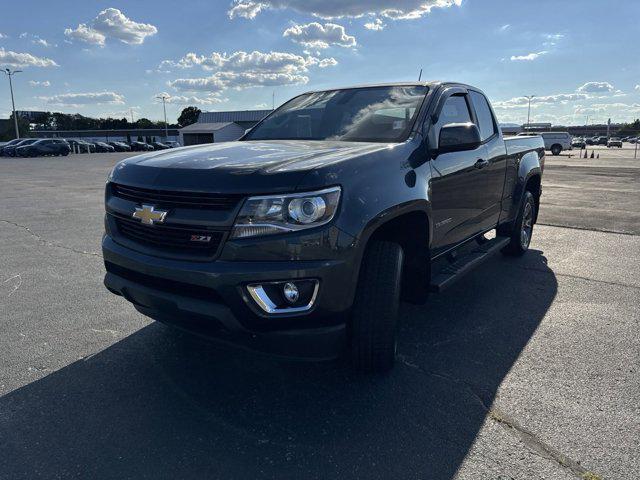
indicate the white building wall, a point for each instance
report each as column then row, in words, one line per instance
column 229, row 133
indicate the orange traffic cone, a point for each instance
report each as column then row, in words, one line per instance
column 593, row 154
column 585, row 153
column 598, row 156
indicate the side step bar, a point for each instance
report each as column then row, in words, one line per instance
column 465, row 263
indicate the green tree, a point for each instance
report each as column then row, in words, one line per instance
column 188, row 116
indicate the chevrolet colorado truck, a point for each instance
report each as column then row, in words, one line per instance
column 302, row 237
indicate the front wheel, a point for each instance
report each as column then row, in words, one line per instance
column 556, row 149
column 523, row 228
column 374, row 318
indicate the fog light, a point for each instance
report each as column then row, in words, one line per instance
column 291, row 293
column 286, row 297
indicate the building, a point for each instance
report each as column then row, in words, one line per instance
column 214, row 127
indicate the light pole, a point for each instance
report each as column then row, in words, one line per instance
column 529, row 97
column 9, row 74
column 164, row 108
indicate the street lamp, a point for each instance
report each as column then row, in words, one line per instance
column 164, row 108
column 9, row 74
column 530, row 97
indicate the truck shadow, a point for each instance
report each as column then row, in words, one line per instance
column 164, row 405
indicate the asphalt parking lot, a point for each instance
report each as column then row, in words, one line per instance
column 525, row 369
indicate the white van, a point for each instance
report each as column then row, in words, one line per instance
column 554, row 141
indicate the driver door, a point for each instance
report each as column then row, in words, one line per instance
column 456, row 186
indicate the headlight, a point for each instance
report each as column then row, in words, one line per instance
column 266, row 215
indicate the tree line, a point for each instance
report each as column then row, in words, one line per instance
column 64, row 121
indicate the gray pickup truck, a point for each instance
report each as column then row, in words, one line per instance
column 301, row 238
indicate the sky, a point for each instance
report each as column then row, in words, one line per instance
column 112, row 58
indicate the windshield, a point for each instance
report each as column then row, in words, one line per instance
column 371, row 114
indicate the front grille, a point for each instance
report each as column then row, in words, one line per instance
column 174, row 240
column 173, row 199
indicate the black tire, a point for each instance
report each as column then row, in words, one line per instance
column 556, row 149
column 374, row 318
column 522, row 228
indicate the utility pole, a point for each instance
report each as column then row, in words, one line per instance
column 131, row 111
column 9, row 74
column 530, row 97
column 586, row 127
column 273, row 100
column 164, row 107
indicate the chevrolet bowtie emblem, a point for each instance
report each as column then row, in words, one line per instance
column 148, row 214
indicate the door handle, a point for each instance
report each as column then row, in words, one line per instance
column 481, row 163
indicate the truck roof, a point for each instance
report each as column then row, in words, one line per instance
column 385, row 84
column 430, row 83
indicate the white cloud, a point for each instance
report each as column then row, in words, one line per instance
column 237, row 80
column 112, row 23
column 317, row 35
column 505, row 27
column 596, row 87
column 529, row 57
column 85, row 34
column 521, row 102
column 42, row 42
column 2, row 35
column 45, row 83
column 79, row 99
column 617, row 109
column 376, row 25
column 637, row 87
column 243, row 61
column 23, row 35
column 191, row 100
column 396, row 9
column 241, row 70
column 327, row 62
column 23, row 60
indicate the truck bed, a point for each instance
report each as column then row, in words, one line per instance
column 521, row 144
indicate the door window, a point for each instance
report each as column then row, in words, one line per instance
column 455, row 110
column 486, row 122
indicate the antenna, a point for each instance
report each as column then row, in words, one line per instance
column 420, row 76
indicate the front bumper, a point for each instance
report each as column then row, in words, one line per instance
column 210, row 298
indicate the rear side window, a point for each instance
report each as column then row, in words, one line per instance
column 485, row 118
column 455, row 110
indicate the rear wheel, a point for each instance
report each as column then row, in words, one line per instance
column 556, row 149
column 523, row 227
column 375, row 310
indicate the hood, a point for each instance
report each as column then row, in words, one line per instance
column 237, row 167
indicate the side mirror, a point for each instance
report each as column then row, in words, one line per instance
column 458, row 137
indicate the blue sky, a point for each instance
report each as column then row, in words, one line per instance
column 580, row 58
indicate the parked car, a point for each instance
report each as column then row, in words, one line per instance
column 381, row 193
column 140, row 146
column 173, row 144
column 102, row 147
column 578, row 143
column 9, row 144
column 11, row 150
column 614, row 142
column 602, row 141
column 633, row 140
column 45, row 147
column 589, row 141
column 120, row 146
column 82, row 146
column 159, row 146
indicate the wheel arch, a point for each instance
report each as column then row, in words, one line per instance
column 410, row 226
